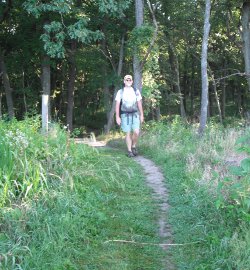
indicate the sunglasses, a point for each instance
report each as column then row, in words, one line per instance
column 128, row 80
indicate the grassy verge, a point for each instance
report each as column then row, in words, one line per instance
column 61, row 203
column 209, row 205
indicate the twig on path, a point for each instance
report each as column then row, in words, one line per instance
column 151, row 244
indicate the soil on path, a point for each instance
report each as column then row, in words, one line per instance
column 155, row 180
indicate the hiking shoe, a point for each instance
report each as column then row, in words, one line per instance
column 134, row 151
column 130, row 154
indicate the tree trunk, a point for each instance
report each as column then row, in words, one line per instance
column 192, row 89
column 110, row 123
column 185, row 82
column 239, row 101
column 121, row 56
column 175, row 69
column 71, row 84
column 7, row 88
column 245, row 35
column 139, row 13
column 111, row 115
column 210, row 104
column 204, row 77
column 24, row 96
column 157, row 113
column 217, row 100
column 137, row 63
column 223, row 94
column 1, row 115
column 223, row 100
column 106, row 92
column 45, row 77
column 62, row 107
column 216, row 97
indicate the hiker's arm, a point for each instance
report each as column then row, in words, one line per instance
column 117, row 113
column 141, row 110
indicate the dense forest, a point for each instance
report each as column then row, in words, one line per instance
column 77, row 52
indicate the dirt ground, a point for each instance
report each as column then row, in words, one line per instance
column 155, row 180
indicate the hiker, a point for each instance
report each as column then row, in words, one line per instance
column 129, row 114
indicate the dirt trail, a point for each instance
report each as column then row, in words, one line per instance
column 155, row 180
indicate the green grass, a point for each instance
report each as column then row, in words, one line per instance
column 216, row 237
column 72, row 199
column 61, row 203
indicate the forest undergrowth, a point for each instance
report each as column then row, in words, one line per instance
column 63, row 203
column 209, row 187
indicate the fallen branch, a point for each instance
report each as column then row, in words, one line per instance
column 149, row 244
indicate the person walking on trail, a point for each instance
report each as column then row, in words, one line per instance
column 129, row 113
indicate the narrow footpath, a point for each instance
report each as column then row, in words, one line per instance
column 155, row 180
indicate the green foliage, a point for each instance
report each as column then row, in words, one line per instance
column 61, row 21
column 54, row 39
column 234, row 190
column 89, row 198
column 56, row 32
column 151, row 87
column 21, row 170
column 140, row 38
column 79, row 32
column 116, row 8
column 37, row 9
column 244, row 143
column 55, row 35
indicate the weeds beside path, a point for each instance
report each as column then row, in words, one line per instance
column 209, row 199
column 84, row 199
column 64, row 205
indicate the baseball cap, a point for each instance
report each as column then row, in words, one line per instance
column 128, row 77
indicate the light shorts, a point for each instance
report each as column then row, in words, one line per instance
column 130, row 122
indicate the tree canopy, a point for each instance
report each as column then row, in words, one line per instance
column 88, row 46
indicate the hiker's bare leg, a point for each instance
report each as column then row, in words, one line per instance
column 135, row 137
column 128, row 141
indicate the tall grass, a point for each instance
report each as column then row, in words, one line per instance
column 209, row 200
column 61, row 202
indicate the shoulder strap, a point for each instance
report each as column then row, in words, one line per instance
column 121, row 94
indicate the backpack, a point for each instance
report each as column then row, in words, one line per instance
column 127, row 110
